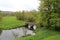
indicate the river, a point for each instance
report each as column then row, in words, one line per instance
column 15, row 33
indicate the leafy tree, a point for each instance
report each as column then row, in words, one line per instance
column 50, row 11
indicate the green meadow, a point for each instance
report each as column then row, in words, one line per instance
column 9, row 22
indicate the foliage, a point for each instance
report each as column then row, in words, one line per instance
column 50, row 12
column 27, row 15
column 0, row 15
column 19, row 15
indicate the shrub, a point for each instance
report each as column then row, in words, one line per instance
column 55, row 22
column 26, row 16
column 19, row 15
column 31, row 19
column 1, row 16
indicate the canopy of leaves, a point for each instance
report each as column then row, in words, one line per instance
column 50, row 11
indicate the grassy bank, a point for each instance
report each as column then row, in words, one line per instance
column 43, row 34
column 9, row 22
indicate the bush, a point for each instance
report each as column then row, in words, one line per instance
column 19, row 15
column 31, row 19
column 1, row 16
column 55, row 23
column 27, row 16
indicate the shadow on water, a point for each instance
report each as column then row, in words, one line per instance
column 0, row 31
column 15, row 33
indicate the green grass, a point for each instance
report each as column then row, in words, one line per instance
column 42, row 34
column 9, row 22
column 55, row 37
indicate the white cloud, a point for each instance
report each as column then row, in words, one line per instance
column 16, row 5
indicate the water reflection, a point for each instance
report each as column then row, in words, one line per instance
column 15, row 33
column 0, row 31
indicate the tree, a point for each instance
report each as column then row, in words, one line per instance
column 50, row 10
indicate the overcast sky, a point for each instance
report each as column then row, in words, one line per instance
column 18, row 5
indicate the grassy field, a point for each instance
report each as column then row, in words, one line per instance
column 9, row 22
column 43, row 34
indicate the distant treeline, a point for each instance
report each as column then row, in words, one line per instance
column 7, row 13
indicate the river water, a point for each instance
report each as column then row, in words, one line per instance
column 15, row 33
